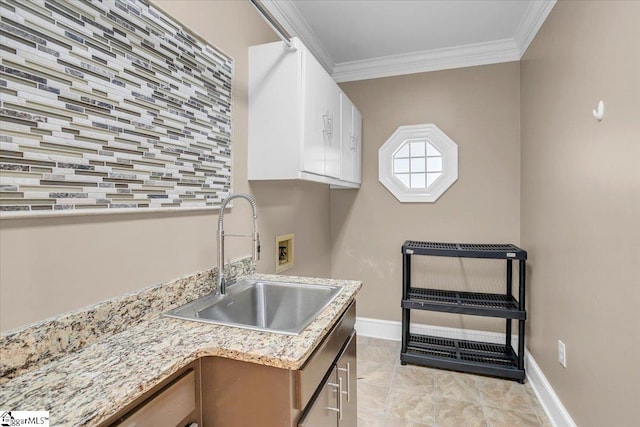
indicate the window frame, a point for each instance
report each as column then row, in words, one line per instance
column 431, row 134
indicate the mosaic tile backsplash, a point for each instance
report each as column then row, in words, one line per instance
column 109, row 105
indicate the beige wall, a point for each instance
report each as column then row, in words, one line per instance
column 581, row 206
column 478, row 108
column 580, row 197
column 52, row 265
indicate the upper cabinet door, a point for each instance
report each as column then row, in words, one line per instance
column 350, row 131
column 275, row 112
column 321, row 153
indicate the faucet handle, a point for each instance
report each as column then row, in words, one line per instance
column 223, row 286
column 256, row 246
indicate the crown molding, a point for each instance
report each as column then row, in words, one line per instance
column 507, row 50
column 428, row 60
column 286, row 13
column 533, row 18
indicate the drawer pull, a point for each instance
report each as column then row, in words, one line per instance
column 340, row 393
column 347, row 370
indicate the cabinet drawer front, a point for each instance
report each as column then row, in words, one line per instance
column 171, row 406
column 324, row 410
column 319, row 363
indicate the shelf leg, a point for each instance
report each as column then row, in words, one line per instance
column 406, row 321
column 522, row 267
column 406, row 313
column 509, row 293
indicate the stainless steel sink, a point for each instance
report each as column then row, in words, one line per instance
column 281, row 307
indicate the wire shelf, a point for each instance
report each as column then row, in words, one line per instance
column 476, row 303
column 467, row 250
column 471, row 356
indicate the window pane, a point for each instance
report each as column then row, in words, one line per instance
column 432, row 151
column 404, row 178
column 434, row 164
column 417, row 149
column 403, row 151
column 417, row 180
column 417, row 165
column 431, row 178
column 400, row 165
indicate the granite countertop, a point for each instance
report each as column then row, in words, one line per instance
column 88, row 386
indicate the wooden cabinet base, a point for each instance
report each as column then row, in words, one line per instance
column 173, row 402
column 239, row 394
column 215, row 391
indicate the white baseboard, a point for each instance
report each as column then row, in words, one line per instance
column 557, row 413
column 377, row 328
column 392, row 330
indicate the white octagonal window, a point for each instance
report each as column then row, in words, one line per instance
column 418, row 163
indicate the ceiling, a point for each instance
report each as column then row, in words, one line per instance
column 363, row 39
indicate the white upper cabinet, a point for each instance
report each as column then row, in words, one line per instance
column 321, row 103
column 350, row 133
column 295, row 118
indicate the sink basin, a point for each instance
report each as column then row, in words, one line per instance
column 280, row 307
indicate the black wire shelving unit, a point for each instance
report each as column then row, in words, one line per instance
column 456, row 354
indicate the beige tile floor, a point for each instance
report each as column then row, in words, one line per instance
column 392, row 395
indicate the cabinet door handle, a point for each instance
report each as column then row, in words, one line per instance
column 354, row 142
column 327, row 124
column 340, row 392
column 347, row 370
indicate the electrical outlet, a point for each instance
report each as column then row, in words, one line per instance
column 562, row 353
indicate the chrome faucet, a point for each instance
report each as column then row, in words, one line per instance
column 222, row 281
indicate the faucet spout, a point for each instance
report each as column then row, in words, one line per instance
column 222, row 281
